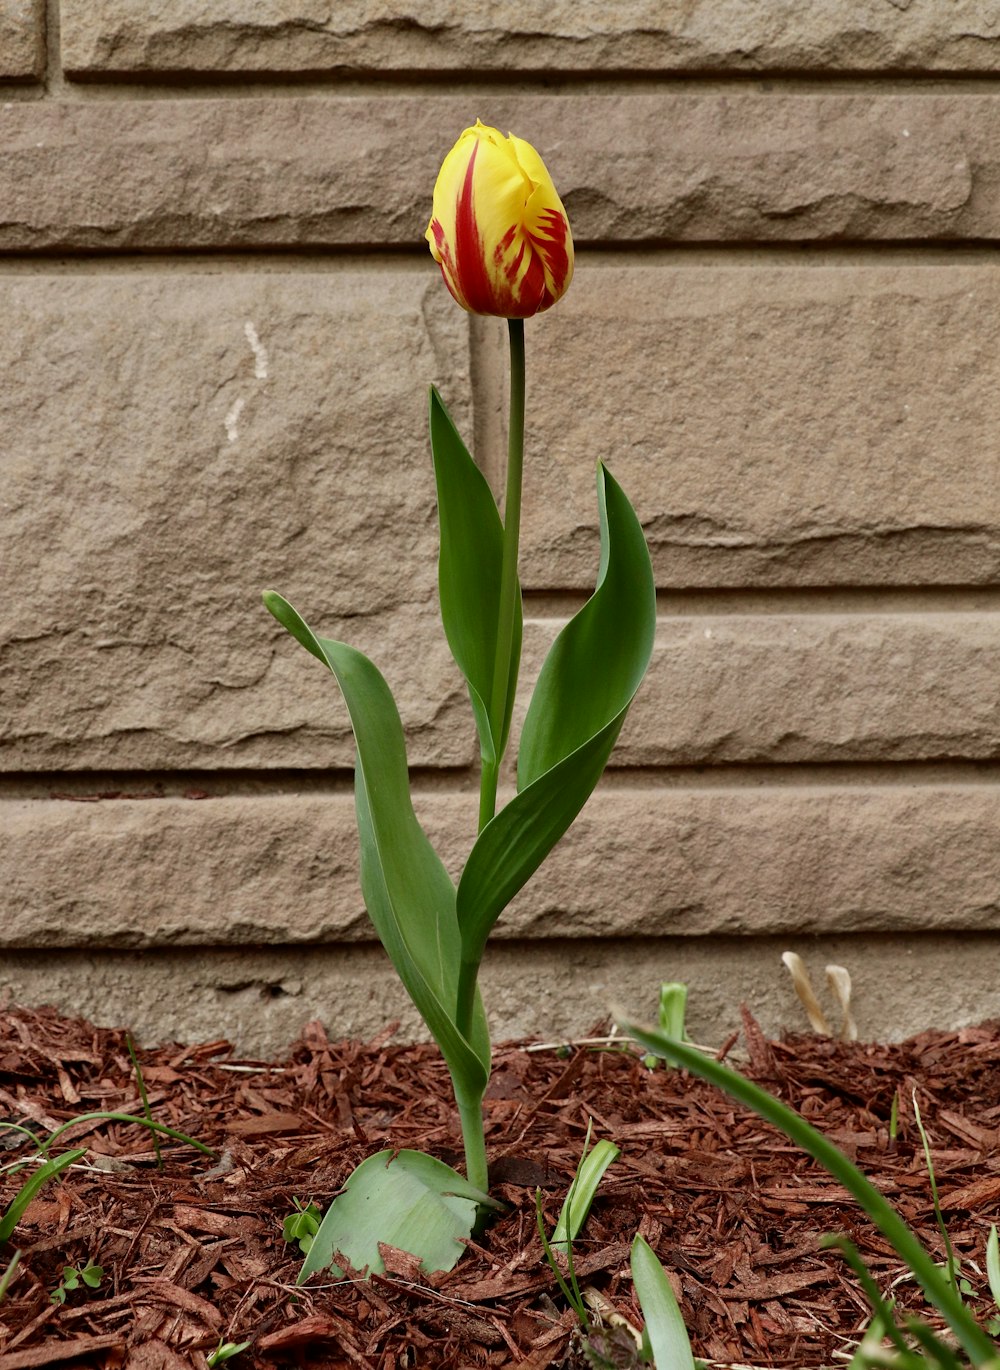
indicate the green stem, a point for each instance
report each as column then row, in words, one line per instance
column 504, row 681
column 505, row 667
column 487, row 792
column 470, row 1111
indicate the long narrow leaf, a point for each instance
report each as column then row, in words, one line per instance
column 407, row 891
column 580, row 701
column 901, row 1237
column 597, row 662
column 48, row 1170
column 665, row 1331
column 469, row 569
column 589, row 1174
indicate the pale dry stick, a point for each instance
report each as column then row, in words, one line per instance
column 839, row 980
column 613, row 1039
column 608, row 1313
column 806, row 994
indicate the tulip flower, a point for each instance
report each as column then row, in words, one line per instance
column 499, row 231
column 502, row 239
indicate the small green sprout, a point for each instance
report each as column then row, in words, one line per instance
column 72, row 1276
column 225, row 1350
column 302, row 1225
column 673, row 1012
column 8, row 1275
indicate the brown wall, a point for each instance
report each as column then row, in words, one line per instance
column 218, row 321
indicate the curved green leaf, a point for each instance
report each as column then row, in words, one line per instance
column 469, row 568
column 407, row 891
column 583, row 693
column 669, row 1344
column 45, row 1172
column 886, row 1218
column 397, row 1198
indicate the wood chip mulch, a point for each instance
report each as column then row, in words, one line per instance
column 193, row 1253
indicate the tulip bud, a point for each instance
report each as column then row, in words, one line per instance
column 499, row 231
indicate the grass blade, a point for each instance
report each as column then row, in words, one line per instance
column 144, row 1097
column 48, row 1171
column 8, row 1274
column 901, row 1237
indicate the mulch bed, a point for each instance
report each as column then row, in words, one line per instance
column 194, row 1252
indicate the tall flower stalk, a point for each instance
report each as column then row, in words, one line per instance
column 505, row 670
column 501, row 237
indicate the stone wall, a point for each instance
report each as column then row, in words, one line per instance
column 219, row 323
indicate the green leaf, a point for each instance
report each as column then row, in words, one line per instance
column 589, row 1174
column 45, row 1172
column 469, row 570
column 900, row 1236
column 403, row 1199
column 226, row 1350
column 8, row 1275
column 583, row 693
column 407, row 891
column 673, row 1009
column 665, row 1331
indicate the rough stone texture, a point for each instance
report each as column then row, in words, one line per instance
column 20, row 39
column 675, row 861
column 774, row 424
column 261, row 999
column 796, row 687
column 377, row 36
column 175, row 443
column 738, row 165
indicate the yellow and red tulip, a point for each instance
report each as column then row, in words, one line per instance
column 499, row 231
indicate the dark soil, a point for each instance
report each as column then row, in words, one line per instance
column 194, row 1253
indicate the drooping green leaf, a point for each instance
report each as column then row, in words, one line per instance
column 583, row 693
column 407, row 891
column 665, row 1332
column 469, row 570
column 403, row 1199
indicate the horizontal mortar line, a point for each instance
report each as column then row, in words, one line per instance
column 744, row 254
column 541, row 606
column 949, row 773
column 374, row 258
column 470, row 82
column 211, row 783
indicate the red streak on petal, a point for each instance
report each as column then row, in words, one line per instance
column 553, row 248
column 513, row 267
column 471, row 278
column 532, row 292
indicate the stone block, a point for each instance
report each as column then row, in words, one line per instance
column 552, row 991
column 736, row 166
column 176, row 442
column 21, row 54
column 673, row 860
column 379, row 36
column 774, row 424
column 796, row 687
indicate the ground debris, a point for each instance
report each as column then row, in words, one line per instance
column 193, row 1255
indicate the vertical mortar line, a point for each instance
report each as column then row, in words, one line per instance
column 55, row 85
column 488, row 375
